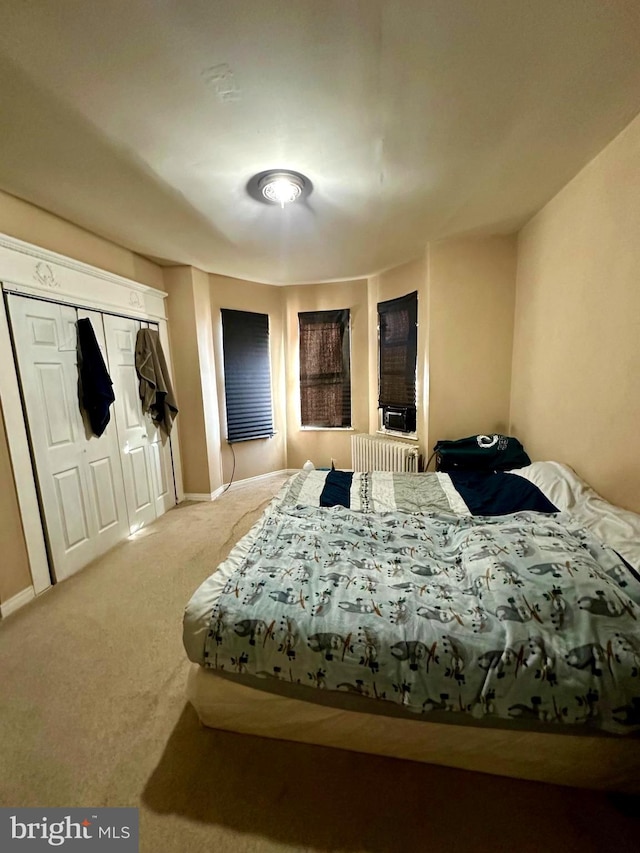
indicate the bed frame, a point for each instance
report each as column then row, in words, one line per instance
column 609, row 763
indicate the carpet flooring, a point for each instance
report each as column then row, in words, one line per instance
column 92, row 713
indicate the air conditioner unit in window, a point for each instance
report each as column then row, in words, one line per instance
column 399, row 418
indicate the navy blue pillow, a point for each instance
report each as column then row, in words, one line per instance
column 337, row 489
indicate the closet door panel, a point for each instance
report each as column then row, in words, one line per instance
column 46, row 364
column 45, row 339
column 104, row 471
column 128, row 385
column 103, row 484
column 140, row 475
column 72, row 507
column 160, row 480
column 55, row 403
column 161, row 461
column 120, row 335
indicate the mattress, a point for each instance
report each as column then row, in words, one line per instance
column 608, row 763
column 297, row 503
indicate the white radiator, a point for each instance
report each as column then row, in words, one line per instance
column 375, row 453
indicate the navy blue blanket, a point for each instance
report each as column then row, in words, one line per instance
column 499, row 494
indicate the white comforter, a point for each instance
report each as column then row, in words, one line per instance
column 616, row 527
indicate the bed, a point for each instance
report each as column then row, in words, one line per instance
column 488, row 622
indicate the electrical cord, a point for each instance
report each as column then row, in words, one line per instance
column 426, row 467
column 233, row 470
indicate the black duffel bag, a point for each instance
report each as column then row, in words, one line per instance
column 481, row 453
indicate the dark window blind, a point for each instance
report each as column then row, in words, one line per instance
column 325, row 375
column 247, row 375
column 397, row 350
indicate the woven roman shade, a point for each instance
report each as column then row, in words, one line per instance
column 325, row 375
column 398, row 347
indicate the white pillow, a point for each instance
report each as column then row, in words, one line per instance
column 619, row 528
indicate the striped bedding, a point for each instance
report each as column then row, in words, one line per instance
column 386, row 491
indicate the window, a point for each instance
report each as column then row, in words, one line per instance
column 397, row 356
column 325, row 375
column 247, row 375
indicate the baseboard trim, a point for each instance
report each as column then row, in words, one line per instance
column 253, row 479
column 204, row 496
column 17, row 601
column 199, row 496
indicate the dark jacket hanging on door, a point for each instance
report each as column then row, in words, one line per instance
column 94, row 383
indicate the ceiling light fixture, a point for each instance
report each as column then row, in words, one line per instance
column 279, row 186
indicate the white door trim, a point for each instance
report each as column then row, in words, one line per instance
column 21, row 460
column 163, row 331
column 28, row 269
column 34, row 271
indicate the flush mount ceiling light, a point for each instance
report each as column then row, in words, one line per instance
column 279, row 186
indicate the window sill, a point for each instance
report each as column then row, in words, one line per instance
column 408, row 436
column 326, row 429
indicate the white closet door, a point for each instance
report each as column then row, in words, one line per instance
column 103, row 458
column 146, row 458
column 161, row 462
column 120, row 334
column 79, row 477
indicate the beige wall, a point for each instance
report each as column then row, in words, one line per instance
column 33, row 225
column 323, row 445
column 470, row 316
column 259, row 456
column 189, row 313
column 14, row 566
column 576, row 358
column 466, row 291
column 207, row 370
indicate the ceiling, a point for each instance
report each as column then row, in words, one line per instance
column 414, row 120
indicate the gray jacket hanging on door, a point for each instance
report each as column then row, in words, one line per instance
column 155, row 385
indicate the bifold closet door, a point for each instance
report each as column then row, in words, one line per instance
column 79, row 475
column 163, row 484
column 146, row 457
